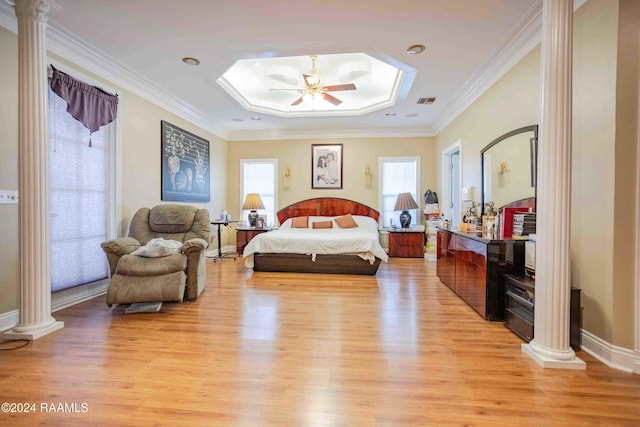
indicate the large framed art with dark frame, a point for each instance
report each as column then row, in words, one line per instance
column 326, row 166
column 185, row 165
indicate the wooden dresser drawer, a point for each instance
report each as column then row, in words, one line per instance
column 406, row 244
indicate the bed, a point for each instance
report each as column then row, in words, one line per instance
column 335, row 250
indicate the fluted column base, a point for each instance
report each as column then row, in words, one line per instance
column 553, row 359
column 32, row 332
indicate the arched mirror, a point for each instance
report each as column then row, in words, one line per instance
column 509, row 165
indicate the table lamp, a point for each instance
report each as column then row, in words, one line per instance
column 253, row 202
column 405, row 203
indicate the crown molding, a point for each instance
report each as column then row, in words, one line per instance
column 525, row 36
column 521, row 40
column 8, row 16
column 74, row 49
column 324, row 133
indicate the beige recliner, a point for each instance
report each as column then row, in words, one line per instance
column 141, row 279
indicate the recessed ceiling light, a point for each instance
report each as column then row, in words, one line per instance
column 191, row 61
column 415, row 49
column 256, row 118
column 390, row 114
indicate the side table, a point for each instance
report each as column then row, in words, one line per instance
column 245, row 234
column 220, row 254
column 406, row 243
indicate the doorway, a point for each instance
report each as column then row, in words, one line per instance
column 451, row 178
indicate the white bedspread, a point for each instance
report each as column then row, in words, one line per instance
column 362, row 241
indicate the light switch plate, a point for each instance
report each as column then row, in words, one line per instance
column 8, row 197
column 467, row 193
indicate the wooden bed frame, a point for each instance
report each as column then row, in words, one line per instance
column 331, row 264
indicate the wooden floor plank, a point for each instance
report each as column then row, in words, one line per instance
column 276, row 349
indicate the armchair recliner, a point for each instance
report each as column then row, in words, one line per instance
column 141, row 279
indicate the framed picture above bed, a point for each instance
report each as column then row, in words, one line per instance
column 326, row 166
column 185, row 165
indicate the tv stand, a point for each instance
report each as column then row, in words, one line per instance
column 520, row 304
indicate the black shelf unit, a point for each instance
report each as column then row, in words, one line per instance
column 520, row 304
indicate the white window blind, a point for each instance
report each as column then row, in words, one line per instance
column 398, row 175
column 78, row 199
column 259, row 176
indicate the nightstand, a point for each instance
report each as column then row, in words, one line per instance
column 245, row 234
column 406, row 243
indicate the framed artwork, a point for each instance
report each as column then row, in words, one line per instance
column 185, row 165
column 326, row 166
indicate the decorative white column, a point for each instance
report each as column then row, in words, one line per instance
column 550, row 346
column 33, row 157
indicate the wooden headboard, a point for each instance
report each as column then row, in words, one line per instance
column 326, row 206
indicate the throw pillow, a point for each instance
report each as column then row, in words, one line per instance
column 346, row 221
column 300, row 222
column 322, row 224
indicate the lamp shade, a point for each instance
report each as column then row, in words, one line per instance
column 253, row 202
column 405, row 202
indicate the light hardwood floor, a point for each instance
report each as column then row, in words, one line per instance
column 271, row 349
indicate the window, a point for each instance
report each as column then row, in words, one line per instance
column 398, row 175
column 82, row 212
column 259, row 176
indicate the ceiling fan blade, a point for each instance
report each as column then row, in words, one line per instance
column 331, row 99
column 349, row 86
column 297, row 101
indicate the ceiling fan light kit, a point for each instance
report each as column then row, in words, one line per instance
column 343, row 84
column 314, row 86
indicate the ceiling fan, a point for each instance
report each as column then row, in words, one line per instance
column 313, row 86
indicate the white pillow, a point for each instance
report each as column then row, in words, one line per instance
column 158, row 247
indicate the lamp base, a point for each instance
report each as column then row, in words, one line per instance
column 405, row 219
column 253, row 218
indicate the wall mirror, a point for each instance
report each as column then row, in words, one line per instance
column 509, row 165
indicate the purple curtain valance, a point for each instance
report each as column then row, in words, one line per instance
column 88, row 104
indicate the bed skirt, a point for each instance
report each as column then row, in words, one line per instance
column 326, row 264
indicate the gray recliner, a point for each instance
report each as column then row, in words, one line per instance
column 140, row 279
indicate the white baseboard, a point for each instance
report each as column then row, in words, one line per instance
column 611, row 355
column 9, row 319
column 78, row 294
column 227, row 249
column 60, row 300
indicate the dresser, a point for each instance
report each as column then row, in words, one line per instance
column 474, row 268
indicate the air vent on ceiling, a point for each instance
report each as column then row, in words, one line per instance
column 429, row 100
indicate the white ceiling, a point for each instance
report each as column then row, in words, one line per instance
column 469, row 44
